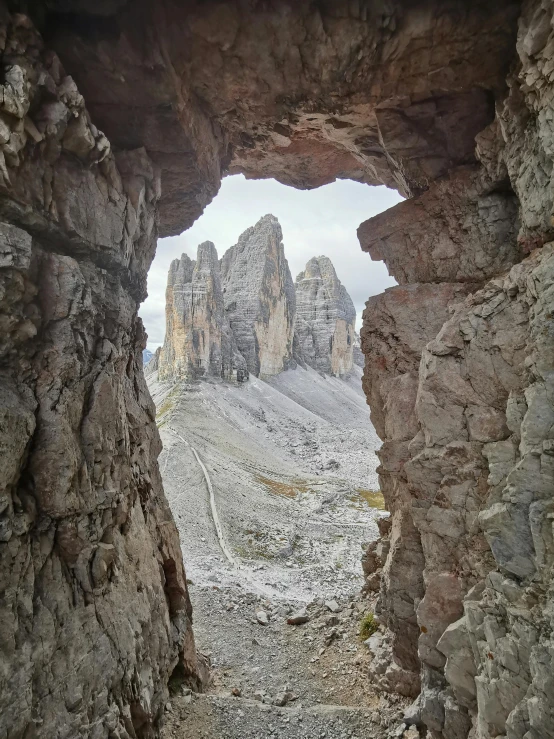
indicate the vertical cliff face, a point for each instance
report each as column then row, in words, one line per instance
column 259, row 297
column 460, row 390
column 198, row 340
column 325, row 319
column 256, row 309
column 94, row 610
column 357, row 354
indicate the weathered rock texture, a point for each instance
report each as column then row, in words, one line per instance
column 259, row 298
column 94, row 610
column 325, row 319
column 357, row 354
column 451, row 102
column 198, row 339
column 461, row 391
column 258, row 310
column 381, row 92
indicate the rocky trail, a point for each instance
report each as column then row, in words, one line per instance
column 274, row 532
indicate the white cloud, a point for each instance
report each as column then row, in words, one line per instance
column 314, row 222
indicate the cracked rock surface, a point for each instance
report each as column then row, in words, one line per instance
column 325, row 319
column 449, row 102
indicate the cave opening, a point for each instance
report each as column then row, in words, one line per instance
column 117, row 125
column 271, row 482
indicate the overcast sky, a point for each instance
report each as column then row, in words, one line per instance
column 314, row 222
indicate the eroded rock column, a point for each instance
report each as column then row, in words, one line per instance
column 325, row 318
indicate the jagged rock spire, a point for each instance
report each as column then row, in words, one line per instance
column 325, row 319
column 259, row 297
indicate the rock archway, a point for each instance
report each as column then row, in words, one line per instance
column 116, row 125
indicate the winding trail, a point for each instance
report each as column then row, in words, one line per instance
column 244, row 572
column 215, row 515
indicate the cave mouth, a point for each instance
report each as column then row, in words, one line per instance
column 272, row 482
column 186, row 93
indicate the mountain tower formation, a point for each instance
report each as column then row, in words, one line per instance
column 244, row 314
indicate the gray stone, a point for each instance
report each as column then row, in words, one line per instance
column 325, row 317
column 259, row 298
column 198, row 339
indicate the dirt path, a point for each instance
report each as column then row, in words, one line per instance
column 262, row 535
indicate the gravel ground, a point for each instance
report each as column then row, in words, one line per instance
column 291, row 467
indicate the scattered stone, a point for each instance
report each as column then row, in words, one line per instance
column 332, row 605
column 300, row 617
column 374, row 642
column 262, row 618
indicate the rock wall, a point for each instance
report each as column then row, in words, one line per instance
column 94, row 610
column 259, row 298
column 461, row 393
column 449, row 102
column 198, row 339
column 325, row 319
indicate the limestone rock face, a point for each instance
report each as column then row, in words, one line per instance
column 258, row 310
column 94, row 610
column 259, row 298
column 357, row 354
column 463, row 229
column 449, row 102
column 325, row 319
column 401, row 89
column 198, row 340
column 460, row 392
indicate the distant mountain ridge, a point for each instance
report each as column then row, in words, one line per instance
column 243, row 314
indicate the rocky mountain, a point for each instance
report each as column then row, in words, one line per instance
column 243, row 314
column 198, row 340
column 259, row 297
column 117, row 125
column 147, row 356
column 325, row 319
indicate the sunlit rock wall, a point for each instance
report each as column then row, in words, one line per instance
column 198, row 340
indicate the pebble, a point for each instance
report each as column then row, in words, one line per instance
column 300, row 617
column 262, row 618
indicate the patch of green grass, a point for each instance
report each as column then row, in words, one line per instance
column 368, row 626
column 288, row 490
column 253, row 552
column 372, row 498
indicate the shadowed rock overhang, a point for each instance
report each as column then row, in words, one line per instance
column 380, row 92
column 127, row 138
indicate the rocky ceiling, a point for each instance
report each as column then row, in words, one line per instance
column 450, row 101
column 383, row 91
